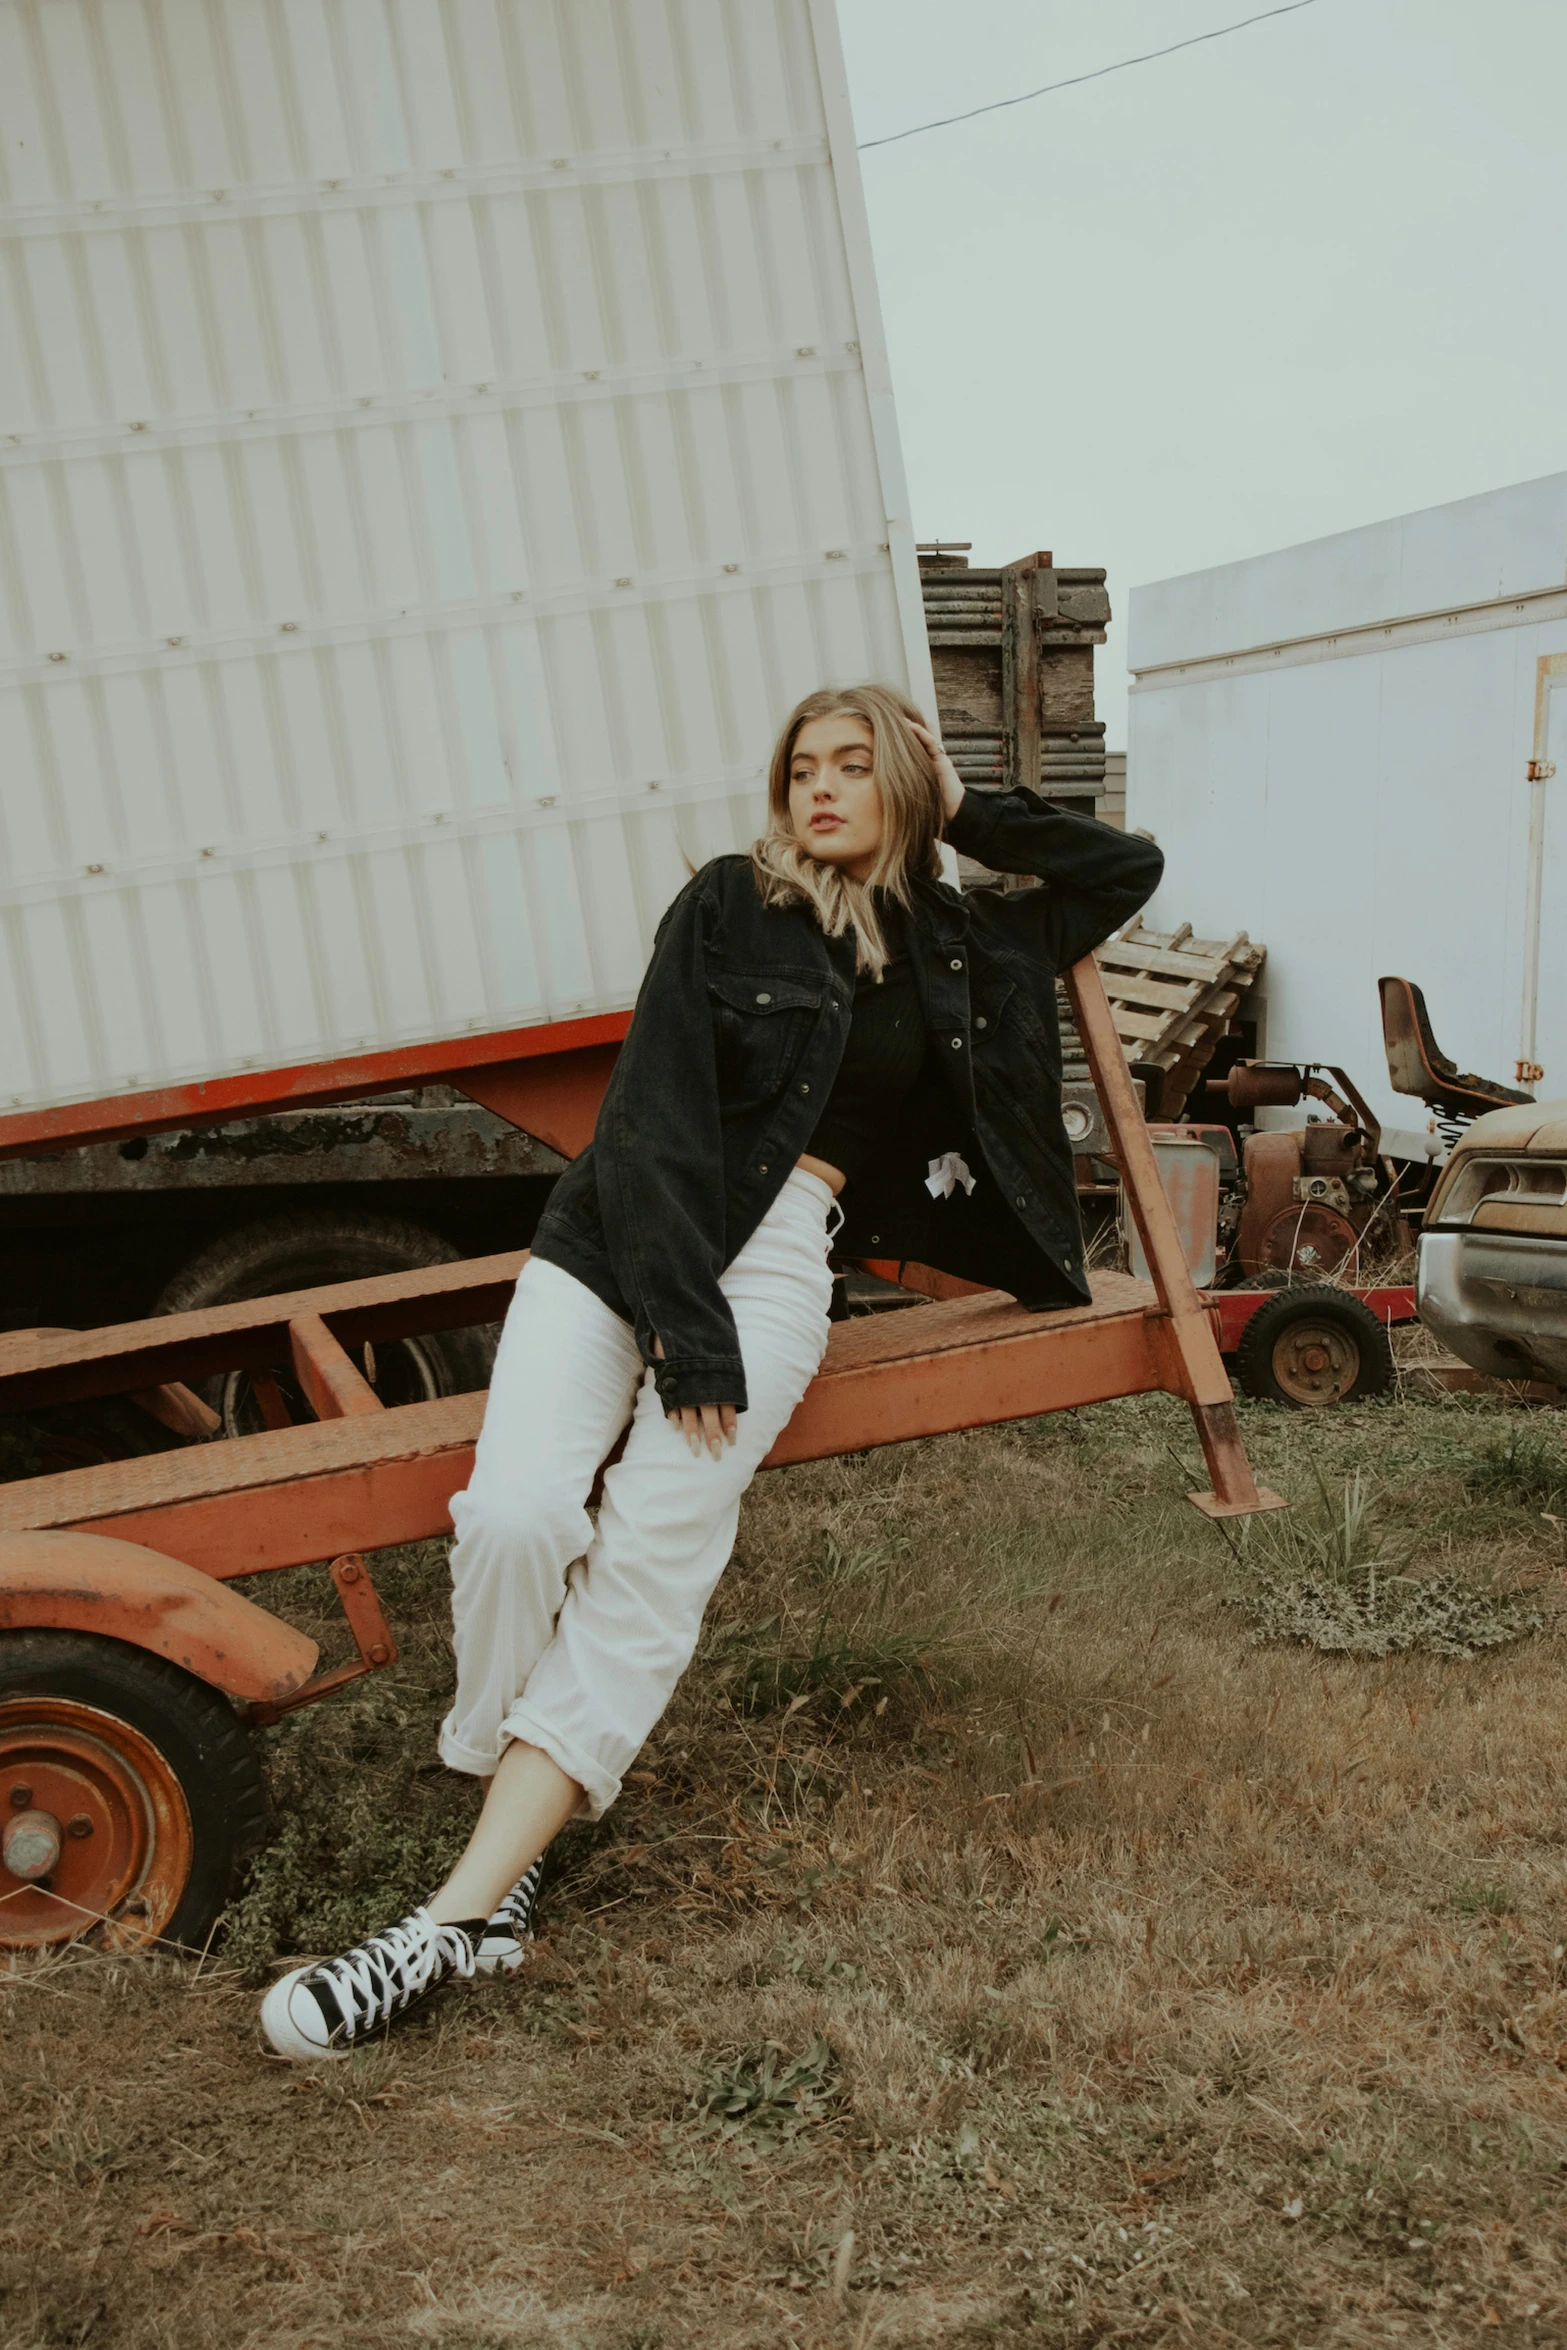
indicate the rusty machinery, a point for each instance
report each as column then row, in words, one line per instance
column 1314, row 1198
column 1303, row 1216
column 1323, row 1199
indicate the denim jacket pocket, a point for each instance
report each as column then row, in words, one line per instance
column 762, row 1024
column 989, row 994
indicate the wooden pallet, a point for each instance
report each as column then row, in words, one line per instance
column 1172, row 997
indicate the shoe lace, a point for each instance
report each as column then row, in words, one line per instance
column 377, row 1977
column 517, row 1907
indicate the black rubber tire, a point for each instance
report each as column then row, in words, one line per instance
column 304, row 1250
column 1256, row 1363
column 193, row 1727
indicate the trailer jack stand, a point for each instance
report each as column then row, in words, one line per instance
column 1236, row 1493
column 372, row 1637
column 1194, row 1368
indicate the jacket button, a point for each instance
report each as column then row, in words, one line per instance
column 982, row 1022
column 761, row 1170
column 1022, row 1199
column 956, row 963
column 764, row 999
column 805, row 1089
column 957, row 1044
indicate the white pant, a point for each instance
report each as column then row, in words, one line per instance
column 571, row 1638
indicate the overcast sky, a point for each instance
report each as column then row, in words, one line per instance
column 1277, row 285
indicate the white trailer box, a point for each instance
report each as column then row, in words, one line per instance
column 437, row 444
column 1345, row 749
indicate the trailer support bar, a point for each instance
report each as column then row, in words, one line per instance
column 335, row 1389
column 1195, row 1368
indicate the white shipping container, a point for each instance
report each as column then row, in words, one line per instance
column 437, row 444
column 1333, row 746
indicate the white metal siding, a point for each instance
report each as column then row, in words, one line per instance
column 438, row 440
column 1446, row 559
column 1355, row 795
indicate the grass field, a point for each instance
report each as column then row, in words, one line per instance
column 998, row 1946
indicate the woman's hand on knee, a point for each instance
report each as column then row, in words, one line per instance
column 709, row 1425
column 712, row 1425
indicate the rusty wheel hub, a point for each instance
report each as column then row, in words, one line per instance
column 95, row 1832
column 1316, row 1362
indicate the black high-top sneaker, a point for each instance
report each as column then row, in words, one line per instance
column 504, row 1943
column 339, row 2004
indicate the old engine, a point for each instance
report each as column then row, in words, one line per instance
column 1308, row 1194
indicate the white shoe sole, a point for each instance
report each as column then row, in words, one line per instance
column 277, row 2021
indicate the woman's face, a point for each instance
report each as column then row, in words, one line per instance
column 834, row 804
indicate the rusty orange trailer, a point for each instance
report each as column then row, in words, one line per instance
column 132, row 1671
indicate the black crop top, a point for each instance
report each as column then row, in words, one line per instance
column 881, row 1064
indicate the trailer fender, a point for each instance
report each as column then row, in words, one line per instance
column 73, row 1582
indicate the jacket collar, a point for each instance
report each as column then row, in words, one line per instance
column 940, row 912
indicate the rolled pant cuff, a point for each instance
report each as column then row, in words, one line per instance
column 475, row 1760
column 601, row 1787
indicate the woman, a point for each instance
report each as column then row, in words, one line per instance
column 829, row 1042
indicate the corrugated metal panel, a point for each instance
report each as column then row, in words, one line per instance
column 437, row 442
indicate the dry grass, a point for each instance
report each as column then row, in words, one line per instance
column 998, row 1947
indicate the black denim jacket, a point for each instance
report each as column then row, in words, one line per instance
column 736, row 1040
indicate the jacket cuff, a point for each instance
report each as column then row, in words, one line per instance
column 700, row 1379
column 972, row 826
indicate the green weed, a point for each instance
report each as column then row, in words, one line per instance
column 1526, row 1466
column 849, row 1646
column 366, row 1825
column 1472, row 1901
column 768, row 2095
column 1322, row 1576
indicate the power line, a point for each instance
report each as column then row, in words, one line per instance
column 996, row 104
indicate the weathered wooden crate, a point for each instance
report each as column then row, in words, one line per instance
column 1012, row 653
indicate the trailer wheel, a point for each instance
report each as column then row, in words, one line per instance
column 1313, row 1346
column 130, row 1795
column 303, row 1252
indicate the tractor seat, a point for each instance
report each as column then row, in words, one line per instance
column 1417, row 1064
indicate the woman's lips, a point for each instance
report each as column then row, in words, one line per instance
column 826, row 823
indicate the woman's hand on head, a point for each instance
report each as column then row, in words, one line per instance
column 706, row 1427
column 946, row 774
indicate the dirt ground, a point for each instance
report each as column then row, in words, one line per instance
column 999, row 1946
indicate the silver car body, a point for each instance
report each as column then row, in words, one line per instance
column 1492, row 1280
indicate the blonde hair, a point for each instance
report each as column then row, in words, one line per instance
column 910, row 793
